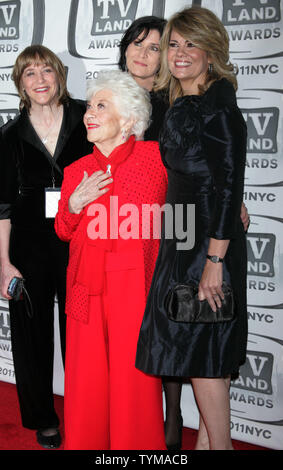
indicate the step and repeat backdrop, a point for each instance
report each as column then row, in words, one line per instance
column 85, row 34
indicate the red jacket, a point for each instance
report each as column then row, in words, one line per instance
column 139, row 177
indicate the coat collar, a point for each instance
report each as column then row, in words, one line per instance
column 117, row 156
column 71, row 117
column 220, row 94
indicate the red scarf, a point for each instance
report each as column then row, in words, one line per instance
column 92, row 259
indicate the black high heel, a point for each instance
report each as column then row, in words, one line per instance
column 178, row 444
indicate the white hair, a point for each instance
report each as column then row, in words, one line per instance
column 132, row 101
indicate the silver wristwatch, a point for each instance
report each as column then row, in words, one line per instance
column 215, row 259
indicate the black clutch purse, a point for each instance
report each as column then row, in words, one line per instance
column 17, row 291
column 183, row 305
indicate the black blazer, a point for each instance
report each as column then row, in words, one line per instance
column 27, row 168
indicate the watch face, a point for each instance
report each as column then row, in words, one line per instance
column 215, row 259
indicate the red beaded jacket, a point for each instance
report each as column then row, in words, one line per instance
column 139, row 178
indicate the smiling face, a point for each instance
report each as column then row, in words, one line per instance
column 103, row 122
column 187, row 63
column 143, row 58
column 40, row 84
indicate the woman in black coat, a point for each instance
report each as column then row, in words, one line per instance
column 203, row 146
column 35, row 147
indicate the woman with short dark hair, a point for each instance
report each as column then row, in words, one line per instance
column 140, row 56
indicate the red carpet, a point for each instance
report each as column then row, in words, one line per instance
column 14, row 437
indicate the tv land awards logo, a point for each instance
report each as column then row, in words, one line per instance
column 112, row 16
column 4, row 324
column 10, row 19
column 262, row 124
column 256, row 373
column 21, row 24
column 251, row 21
column 256, row 393
column 265, row 263
column 244, row 12
column 7, row 372
column 260, row 250
column 96, row 26
column 7, row 114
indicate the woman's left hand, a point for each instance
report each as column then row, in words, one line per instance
column 245, row 217
column 210, row 286
column 90, row 188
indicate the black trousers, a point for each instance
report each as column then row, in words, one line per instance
column 42, row 260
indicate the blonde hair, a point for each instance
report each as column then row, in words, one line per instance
column 205, row 31
column 38, row 54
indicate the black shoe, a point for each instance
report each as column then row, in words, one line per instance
column 49, row 442
column 178, row 444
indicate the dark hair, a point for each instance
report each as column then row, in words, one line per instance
column 144, row 24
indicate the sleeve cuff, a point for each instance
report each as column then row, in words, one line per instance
column 5, row 211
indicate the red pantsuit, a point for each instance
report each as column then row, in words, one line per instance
column 109, row 404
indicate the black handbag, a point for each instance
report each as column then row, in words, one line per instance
column 183, row 305
column 17, row 291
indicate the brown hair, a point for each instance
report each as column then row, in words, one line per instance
column 206, row 31
column 38, row 54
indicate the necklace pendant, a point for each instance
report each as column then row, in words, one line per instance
column 44, row 141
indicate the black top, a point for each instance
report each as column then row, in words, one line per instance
column 27, row 168
column 159, row 108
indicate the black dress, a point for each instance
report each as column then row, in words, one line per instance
column 203, row 146
column 26, row 169
column 159, row 105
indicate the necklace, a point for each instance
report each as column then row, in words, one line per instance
column 44, row 139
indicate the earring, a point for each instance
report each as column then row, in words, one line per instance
column 123, row 134
column 210, row 68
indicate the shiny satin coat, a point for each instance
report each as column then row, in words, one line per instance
column 203, row 147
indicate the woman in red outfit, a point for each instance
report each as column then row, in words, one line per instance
column 109, row 404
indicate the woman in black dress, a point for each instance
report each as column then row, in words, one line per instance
column 203, row 146
column 35, row 147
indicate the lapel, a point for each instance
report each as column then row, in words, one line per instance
column 71, row 117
